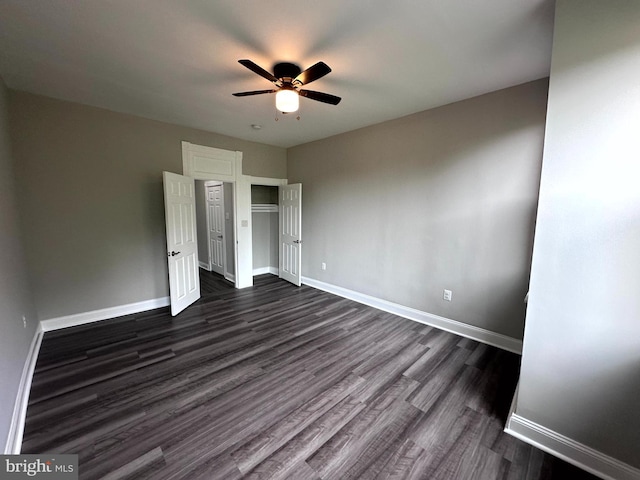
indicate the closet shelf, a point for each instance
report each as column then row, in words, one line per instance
column 264, row 207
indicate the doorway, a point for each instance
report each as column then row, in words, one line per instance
column 276, row 213
column 264, row 229
column 214, row 164
column 208, row 163
column 215, row 221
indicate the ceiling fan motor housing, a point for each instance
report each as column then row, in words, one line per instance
column 286, row 71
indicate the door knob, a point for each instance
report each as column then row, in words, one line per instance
column 297, row 241
column 173, row 254
column 219, row 236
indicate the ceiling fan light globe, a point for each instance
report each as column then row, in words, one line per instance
column 287, row 101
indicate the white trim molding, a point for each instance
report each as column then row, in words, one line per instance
column 265, row 270
column 203, row 163
column 103, row 314
column 16, row 429
column 204, row 266
column 475, row 333
column 568, row 449
column 268, row 181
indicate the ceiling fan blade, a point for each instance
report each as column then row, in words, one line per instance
column 320, row 97
column 313, row 73
column 258, row 69
column 255, row 92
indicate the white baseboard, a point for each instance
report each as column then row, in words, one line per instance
column 230, row 276
column 103, row 314
column 568, row 449
column 204, row 266
column 476, row 333
column 265, row 270
column 16, row 429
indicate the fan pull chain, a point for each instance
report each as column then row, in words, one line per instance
column 298, row 117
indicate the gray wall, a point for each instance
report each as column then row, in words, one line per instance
column 581, row 363
column 90, row 194
column 445, row 198
column 15, row 296
column 264, row 229
column 264, row 194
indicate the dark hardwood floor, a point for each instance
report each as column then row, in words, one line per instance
column 278, row 382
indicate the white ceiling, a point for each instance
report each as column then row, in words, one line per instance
column 176, row 60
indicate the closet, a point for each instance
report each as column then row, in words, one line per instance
column 264, row 223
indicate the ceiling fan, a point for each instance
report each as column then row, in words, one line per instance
column 288, row 78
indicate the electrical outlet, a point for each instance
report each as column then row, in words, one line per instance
column 24, row 321
column 324, row 266
column 447, row 295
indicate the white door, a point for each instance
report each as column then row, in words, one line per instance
column 182, row 247
column 215, row 212
column 290, row 237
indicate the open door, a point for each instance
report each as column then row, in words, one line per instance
column 290, row 238
column 182, row 246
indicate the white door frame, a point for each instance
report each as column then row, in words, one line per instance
column 208, row 163
column 268, row 182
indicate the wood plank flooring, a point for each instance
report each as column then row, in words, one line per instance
column 278, row 382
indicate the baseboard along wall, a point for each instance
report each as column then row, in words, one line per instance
column 540, row 437
column 569, row 450
column 469, row 331
column 265, row 270
column 102, row 314
column 16, row 429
